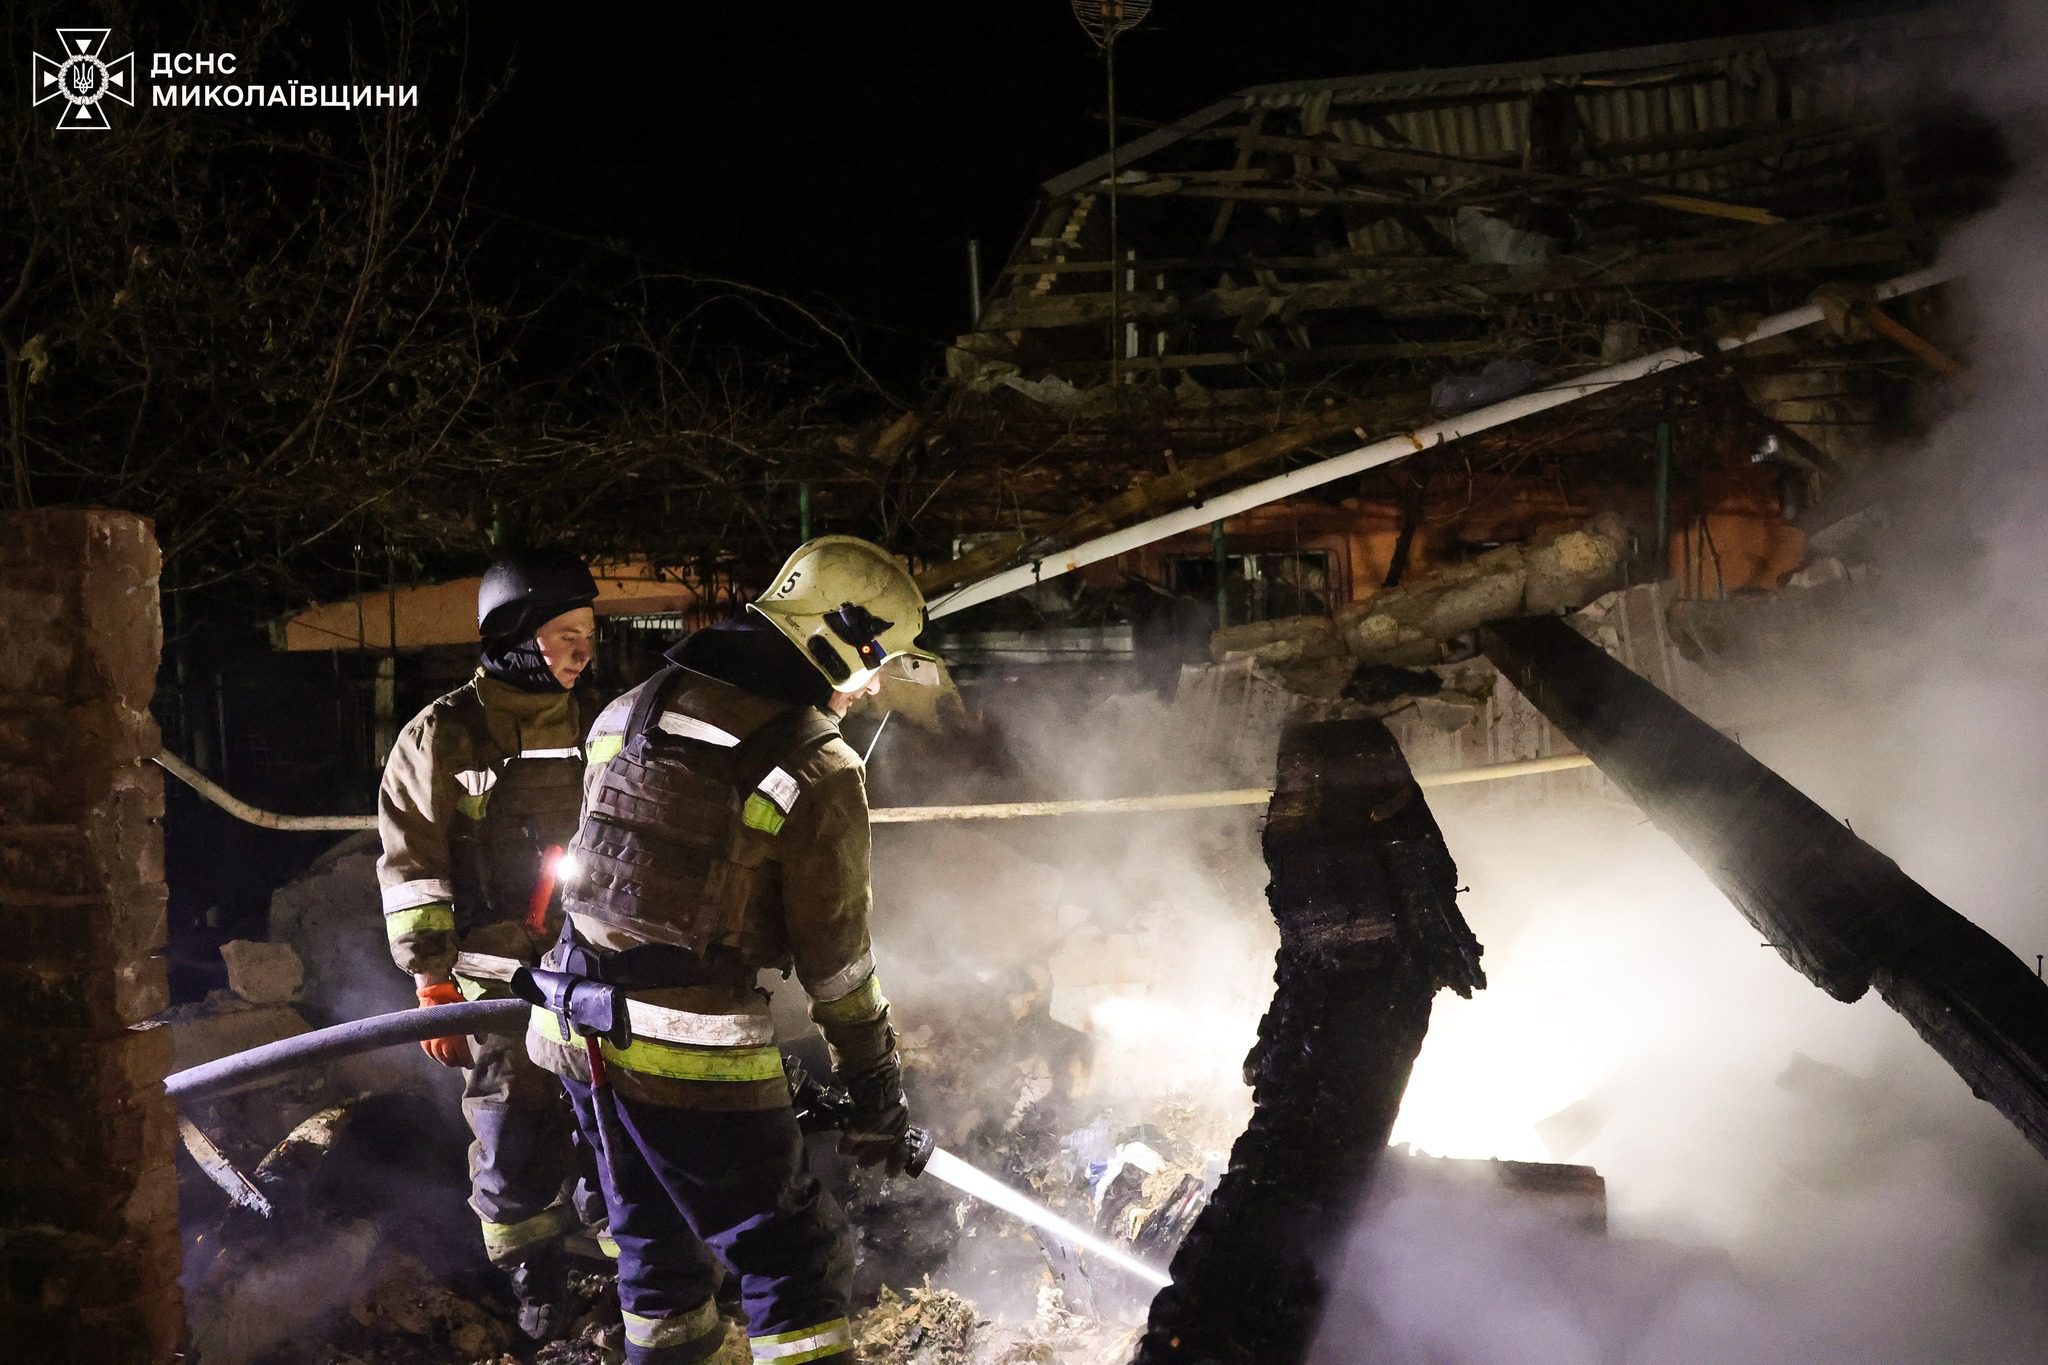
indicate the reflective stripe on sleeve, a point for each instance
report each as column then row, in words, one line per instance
column 689, row 727
column 843, row 980
column 424, row 891
column 420, row 919
column 500, row 1239
column 672, row 1061
column 760, row 813
column 476, row 786
column 808, row 1343
column 677, row 1330
column 570, row 752
column 858, row 1006
column 780, row 788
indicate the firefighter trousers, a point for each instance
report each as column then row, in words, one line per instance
column 680, row 1181
column 522, row 1157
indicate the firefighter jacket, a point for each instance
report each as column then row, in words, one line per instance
column 477, row 788
column 764, row 865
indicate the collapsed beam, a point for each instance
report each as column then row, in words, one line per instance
column 1056, row 561
column 1838, row 910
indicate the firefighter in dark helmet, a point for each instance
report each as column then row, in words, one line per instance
column 725, row 831
column 481, row 792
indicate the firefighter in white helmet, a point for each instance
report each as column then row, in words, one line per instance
column 725, row 832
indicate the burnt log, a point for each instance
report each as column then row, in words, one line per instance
column 1838, row 910
column 1365, row 895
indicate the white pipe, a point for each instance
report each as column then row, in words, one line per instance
column 909, row 815
column 242, row 810
column 1235, row 796
column 1384, row 451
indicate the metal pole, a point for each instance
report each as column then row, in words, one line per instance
column 1116, row 259
column 974, row 279
column 1221, row 560
column 1385, row 451
column 803, row 510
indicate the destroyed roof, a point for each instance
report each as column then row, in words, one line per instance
column 1393, row 223
column 1712, row 59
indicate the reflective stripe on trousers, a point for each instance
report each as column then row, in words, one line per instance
column 678, row 1329
column 806, row 1343
column 502, row 1239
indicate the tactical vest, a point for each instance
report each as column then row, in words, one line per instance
column 679, row 838
column 515, row 809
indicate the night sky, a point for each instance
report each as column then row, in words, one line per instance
column 847, row 152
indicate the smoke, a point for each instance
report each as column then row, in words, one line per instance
column 1790, row 1178
column 1145, row 935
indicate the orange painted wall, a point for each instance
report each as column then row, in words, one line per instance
column 1743, row 528
column 445, row 613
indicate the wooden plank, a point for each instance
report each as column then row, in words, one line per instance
column 1294, row 198
column 1243, row 161
column 240, row 1190
column 1562, row 274
column 1438, row 164
column 1839, row 911
column 1364, row 892
column 1471, row 349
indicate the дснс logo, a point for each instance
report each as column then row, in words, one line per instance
column 83, row 78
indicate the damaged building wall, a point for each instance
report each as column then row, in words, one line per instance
column 88, row 1195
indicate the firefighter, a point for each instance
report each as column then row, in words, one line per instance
column 480, row 795
column 725, row 833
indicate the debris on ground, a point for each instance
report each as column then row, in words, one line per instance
column 927, row 1326
column 404, row 1298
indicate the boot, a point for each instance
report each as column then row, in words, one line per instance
column 541, row 1284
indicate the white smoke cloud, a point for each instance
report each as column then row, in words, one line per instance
column 1790, row 1178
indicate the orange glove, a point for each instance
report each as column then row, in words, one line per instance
column 454, row 1049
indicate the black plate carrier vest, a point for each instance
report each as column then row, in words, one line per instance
column 666, row 850
column 529, row 806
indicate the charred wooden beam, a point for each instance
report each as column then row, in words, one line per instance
column 1838, row 910
column 1365, row 895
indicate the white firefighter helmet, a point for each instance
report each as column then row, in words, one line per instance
column 849, row 606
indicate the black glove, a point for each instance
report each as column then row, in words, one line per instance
column 877, row 1117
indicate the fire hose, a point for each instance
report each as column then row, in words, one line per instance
column 820, row 1108
column 240, row 1069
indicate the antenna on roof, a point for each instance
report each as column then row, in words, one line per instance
column 1105, row 21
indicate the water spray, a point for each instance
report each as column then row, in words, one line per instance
column 979, row 1184
column 822, row 1109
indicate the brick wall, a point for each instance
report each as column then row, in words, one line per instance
column 88, row 1195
